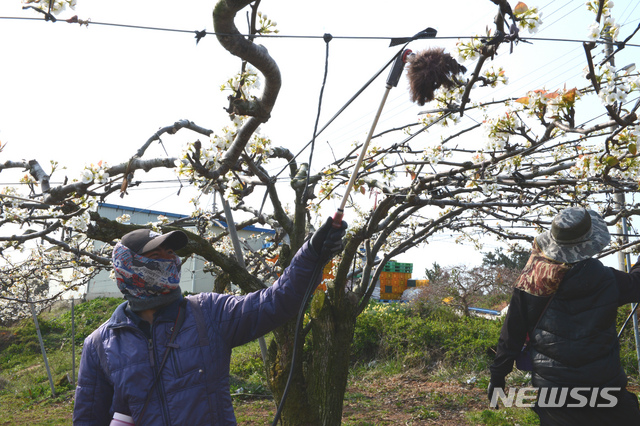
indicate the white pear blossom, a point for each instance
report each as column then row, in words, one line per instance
column 593, row 31
column 86, row 176
column 620, row 96
column 80, row 223
column 490, row 189
column 536, row 23
column 102, row 176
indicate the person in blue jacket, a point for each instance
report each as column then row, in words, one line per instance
column 163, row 359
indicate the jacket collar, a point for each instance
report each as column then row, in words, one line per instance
column 123, row 316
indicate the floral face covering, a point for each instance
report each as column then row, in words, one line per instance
column 541, row 276
column 144, row 278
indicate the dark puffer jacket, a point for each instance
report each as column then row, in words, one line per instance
column 119, row 363
column 575, row 343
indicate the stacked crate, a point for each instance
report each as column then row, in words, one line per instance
column 393, row 279
column 417, row 283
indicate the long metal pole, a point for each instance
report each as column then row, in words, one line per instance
column 633, row 307
column 73, row 344
column 619, row 197
column 44, row 352
column 392, row 81
column 193, row 273
column 363, row 151
column 624, row 264
column 233, row 234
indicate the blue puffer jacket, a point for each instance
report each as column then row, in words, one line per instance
column 119, row 363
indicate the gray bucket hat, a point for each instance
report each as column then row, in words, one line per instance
column 576, row 234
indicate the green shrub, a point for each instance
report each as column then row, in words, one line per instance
column 419, row 337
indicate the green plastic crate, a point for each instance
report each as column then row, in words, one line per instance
column 393, row 266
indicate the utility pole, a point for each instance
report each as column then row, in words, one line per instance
column 624, row 260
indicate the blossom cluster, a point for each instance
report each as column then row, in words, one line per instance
column 621, row 153
column 95, row 173
column 554, row 105
column 528, row 19
column 615, row 84
column 608, row 29
column 266, row 25
column 497, row 130
column 243, row 82
column 57, row 6
column 435, row 154
column 586, row 165
column 233, row 189
column 493, row 77
column 468, row 51
column 125, row 218
column 80, row 222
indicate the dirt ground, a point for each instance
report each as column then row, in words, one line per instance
column 407, row 399
column 410, row 399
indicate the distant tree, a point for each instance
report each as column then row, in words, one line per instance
column 515, row 258
column 463, row 287
column 433, row 273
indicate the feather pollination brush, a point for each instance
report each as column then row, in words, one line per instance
column 429, row 70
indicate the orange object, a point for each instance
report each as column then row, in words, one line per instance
column 327, row 272
column 390, row 296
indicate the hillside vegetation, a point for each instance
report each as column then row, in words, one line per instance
column 430, row 361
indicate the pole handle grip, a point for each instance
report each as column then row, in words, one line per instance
column 397, row 67
column 337, row 219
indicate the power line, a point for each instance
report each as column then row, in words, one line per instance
column 200, row 33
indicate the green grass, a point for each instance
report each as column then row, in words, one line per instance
column 389, row 341
column 247, row 371
column 25, row 391
column 504, row 417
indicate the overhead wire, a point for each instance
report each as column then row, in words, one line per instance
column 327, row 39
column 398, row 112
column 566, row 14
column 275, row 36
column 625, row 21
column 353, row 123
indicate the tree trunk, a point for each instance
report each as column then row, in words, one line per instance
column 332, row 333
column 316, row 393
column 297, row 410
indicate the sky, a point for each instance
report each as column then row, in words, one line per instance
column 83, row 94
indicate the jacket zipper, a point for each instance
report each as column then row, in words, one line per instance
column 159, row 385
column 151, row 357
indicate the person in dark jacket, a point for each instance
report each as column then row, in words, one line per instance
column 565, row 302
column 162, row 359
